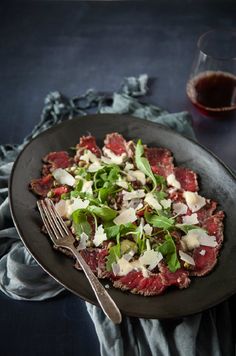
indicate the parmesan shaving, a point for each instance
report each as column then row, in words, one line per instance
column 63, row 177
column 186, row 258
column 152, row 202
column 190, row 219
column 128, row 215
column 171, row 180
column 194, row 201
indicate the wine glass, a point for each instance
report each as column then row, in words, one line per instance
column 212, row 83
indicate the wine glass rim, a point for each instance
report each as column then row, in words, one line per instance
column 203, row 35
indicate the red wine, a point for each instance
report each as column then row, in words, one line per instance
column 213, row 93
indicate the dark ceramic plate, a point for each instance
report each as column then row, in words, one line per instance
column 216, row 182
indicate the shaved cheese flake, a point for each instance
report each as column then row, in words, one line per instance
column 134, row 203
column 112, row 157
column 194, row 201
column 180, row 208
column 77, row 203
column 186, row 258
column 122, row 183
column 152, row 202
column 191, row 240
column 202, row 252
column 197, row 237
column 190, row 219
column 62, row 208
column 130, row 178
column 87, row 187
column 151, row 258
column 139, row 206
column 147, row 229
column 63, row 177
column 99, row 236
column 137, row 175
column 128, row 256
column 166, row 203
column 128, row 215
column 171, row 180
column 122, row 267
column 82, row 241
column 94, row 167
column 89, row 156
column 128, row 166
column 206, row 240
column 136, row 194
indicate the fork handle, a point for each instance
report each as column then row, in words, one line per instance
column 106, row 302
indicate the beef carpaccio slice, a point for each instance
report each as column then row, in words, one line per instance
column 186, row 178
column 88, row 143
column 116, row 143
column 54, row 160
column 42, row 185
column 161, row 160
column 136, row 283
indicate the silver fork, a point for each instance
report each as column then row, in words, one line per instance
column 62, row 237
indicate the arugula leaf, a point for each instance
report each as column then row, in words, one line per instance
column 160, row 195
column 160, row 180
column 65, row 196
column 168, row 250
column 107, row 175
column 161, row 221
column 82, row 172
column 112, row 231
column 80, row 222
column 114, row 253
column 143, row 164
column 113, row 174
column 121, row 230
column 141, row 243
column 104, row 192
column 186, row 228
column 103, row 212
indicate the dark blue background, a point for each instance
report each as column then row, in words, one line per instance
column 74, row 46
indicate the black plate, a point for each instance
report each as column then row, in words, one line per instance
column 216, row 182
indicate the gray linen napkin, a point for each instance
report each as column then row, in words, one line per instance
column 21, row 278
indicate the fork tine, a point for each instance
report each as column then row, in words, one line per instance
column 45, row 221
column 56, row 217
column 50, row 220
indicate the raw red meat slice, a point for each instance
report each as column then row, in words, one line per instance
column 54, row 160
column 42, row 185
column 101, row 269
column 161, row 160
column 187, row 179
column 116, row 143
column 176, row 196
column 206, row 211
column 88, row 143
column 214, row 226
column 178, row 278
column 203, row 264
column 57, row 192
column 91, row 257
column 60, row 190
column 136, row 283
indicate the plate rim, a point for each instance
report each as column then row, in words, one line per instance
column 97, row 116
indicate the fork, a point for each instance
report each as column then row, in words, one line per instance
column 62, row 237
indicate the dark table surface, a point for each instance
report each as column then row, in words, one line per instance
column 74, row 46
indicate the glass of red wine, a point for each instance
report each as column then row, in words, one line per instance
column 212, row 84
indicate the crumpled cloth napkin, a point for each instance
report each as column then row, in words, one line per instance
column 22, row 278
